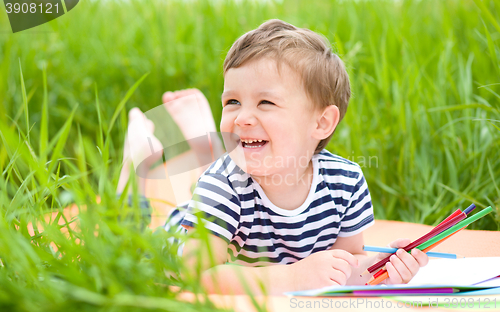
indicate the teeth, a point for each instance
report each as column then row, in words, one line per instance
column 253, row 141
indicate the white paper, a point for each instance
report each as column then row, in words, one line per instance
column 465, row 271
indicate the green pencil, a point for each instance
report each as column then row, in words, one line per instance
column 455, row 228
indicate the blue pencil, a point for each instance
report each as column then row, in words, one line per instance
column 469, row 209
column 393, row 250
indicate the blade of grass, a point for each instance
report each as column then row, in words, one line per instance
column 122, row 104
column 82, row 163
column 25, row 100
column 44, row 124
column 61, row 141
column 100, row 140
column 493, row 178
column 461, row 107
column 463, row 195
column 488, row 14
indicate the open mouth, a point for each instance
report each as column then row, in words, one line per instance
column 253, row 143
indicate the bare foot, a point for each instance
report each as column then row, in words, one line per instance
column 141, row 146
column 191, row 111
column 142, row 149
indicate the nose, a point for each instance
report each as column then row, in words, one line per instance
column 246, row 117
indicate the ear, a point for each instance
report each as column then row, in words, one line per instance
column 326, row 122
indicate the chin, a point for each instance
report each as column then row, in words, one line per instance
column 255, row 172
column 248, row 167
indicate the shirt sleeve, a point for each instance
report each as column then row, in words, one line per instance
column 216, row 204
column 358, row 215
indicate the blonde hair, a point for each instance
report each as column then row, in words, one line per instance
column 309, row 54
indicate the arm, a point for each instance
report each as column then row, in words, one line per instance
column 323, row 268
column 218, row 277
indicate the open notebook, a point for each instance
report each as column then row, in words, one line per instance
column 466, row 276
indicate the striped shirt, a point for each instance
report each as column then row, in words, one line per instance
column 234, row 207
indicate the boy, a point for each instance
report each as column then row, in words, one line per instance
column 289, row 212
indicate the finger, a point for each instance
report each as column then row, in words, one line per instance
column 167, row 96
column 401, row 268
column 400, row 243
column 383, row 255
column 343, row 267
column 394, row 277
column 135, row 113
column 338, row 277
column 150, row 125
column 332, row 282
column 409, row 261
column 347, row 256
column 420, row 256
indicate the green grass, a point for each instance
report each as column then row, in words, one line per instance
column 425, row 111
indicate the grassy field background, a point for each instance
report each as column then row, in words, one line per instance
column 423, row 122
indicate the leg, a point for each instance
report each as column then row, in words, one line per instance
column 180, row 105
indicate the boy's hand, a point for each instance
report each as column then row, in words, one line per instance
column 403, row 266
column 323, row 268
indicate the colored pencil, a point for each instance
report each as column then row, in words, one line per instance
column 393, row 250
column 469, row 209
column 456, row 227
column 437, row 240
column 444, row 239
column 383, row 274
column 379, row 272
column 447, row 223
column 375, row 280
column 454, row 214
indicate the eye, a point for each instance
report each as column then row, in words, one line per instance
column 233, row 101
column 266, row 102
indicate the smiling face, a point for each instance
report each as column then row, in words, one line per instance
column 272, row 116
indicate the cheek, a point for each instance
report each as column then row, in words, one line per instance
column 282, row 132
column 225, row 123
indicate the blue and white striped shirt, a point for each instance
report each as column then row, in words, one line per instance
column 234, row 207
